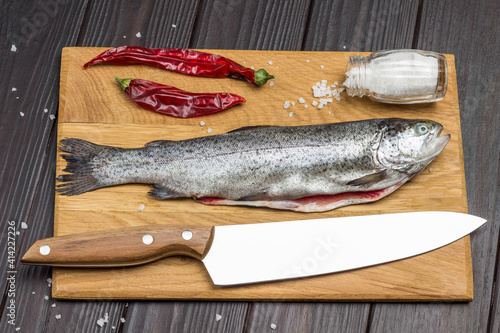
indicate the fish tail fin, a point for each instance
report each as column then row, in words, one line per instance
column 80, row 165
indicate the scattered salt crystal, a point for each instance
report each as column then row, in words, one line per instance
column 341, row 89
column 138, row 35
column 141, row 208
column 290, row 114
column 45, row 110
column 17, row 97
column 430, row 169
column 174, row 26
column 24, row 225
column 301, row 100
column 58, row 316
column 18, row 232
column 46, row 297
column 286, row 105
column 273, row 326
column 321, row 66
column 13, row 48
column 106, row 317
column 344, row 47
column 202, row 123
column 336, row 83
column 271, row 83
column 33, row 293
column 113, row 327
column 314, row 103
column 251, row 67
column 293, row 103
column 52, row 117
column 270, row 62
column 307, row 60
column 14, row 89
column 100, row 322
column 22, row 114
column 124, row 36
column 18, row 328
column 218, row 317
column 122, row 320
column 209, row 130
column 320, row 106
column 306, row 106
column 53, row 305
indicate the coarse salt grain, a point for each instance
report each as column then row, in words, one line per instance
column 100, row 322
column 290, row 114
column 321, row 66
column 202, row 123
column 174, row 26
column 46, row 297
column 58, row 316
column 53, row 305
column 22, row 114
column 307, row 60
column 13, row 48
column 141, row 208
column 138, row 35
column 24, row 225
column 306, row 106
column 271, row 83
column 301, row 100
column 14, row 89
column 314, row 103
column 45, row 110
column 209, row 130
column 122, row 320
column 273, row 326
column 286, row 105
column 218, row 317
column 270, row 62
column 52, row 117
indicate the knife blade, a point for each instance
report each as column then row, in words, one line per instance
column 250, row 253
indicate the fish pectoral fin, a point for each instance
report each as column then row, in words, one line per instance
column 158, row 143
column 255, row 197
column 369, row 179
column 162, row 193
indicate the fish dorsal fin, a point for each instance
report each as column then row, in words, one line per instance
column 158, row 143
column 369, row 179
column 249, row 128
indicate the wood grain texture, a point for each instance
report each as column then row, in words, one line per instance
column 464, row 28
column 117, row 121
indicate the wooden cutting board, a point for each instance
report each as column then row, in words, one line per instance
column 93, row 107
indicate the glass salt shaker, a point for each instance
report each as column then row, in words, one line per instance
column 398, row 76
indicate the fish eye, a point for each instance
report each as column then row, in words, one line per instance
column 422, row 129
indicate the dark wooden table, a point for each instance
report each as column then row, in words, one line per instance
column 29, row 90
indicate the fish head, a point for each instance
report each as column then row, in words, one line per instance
column 409, row 145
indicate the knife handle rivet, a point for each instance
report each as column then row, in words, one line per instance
column 147, row 239
column 44, row 250
column 187, row 234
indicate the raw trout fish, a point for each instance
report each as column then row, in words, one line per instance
column 301, row 168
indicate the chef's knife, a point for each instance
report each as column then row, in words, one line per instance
column 249, row 253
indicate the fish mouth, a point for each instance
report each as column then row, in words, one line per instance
column 437, row 143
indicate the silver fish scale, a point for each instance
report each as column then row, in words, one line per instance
column 269, row 163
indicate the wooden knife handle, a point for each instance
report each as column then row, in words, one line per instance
column 120, row 247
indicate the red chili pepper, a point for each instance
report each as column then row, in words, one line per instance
column 183, row 61
column 176, row 102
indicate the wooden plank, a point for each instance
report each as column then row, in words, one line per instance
column 472, row 41
column 118, row 121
